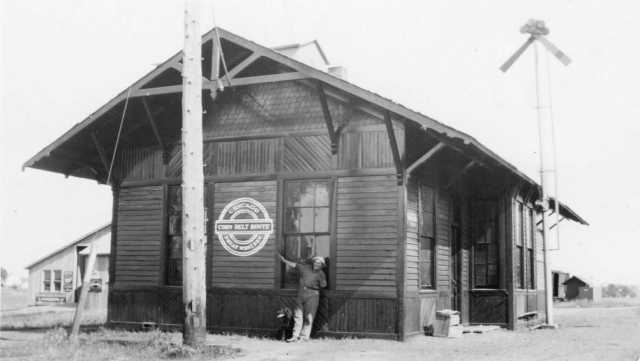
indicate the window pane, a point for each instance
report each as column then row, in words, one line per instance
column 307, row 194
column 291, row 245
column 322, row 244
column 306, row 247
column 481, row 275
column 47, row 275
column 292, row 220
column 428, row 228
column 322, row 220
column 481, row 254
column 492, row 275
column 426, row 261
column 306, row 220
column 322, row 194
column 57, row 280
column 292, row 194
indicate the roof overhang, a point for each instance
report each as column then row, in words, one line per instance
column 336, row 88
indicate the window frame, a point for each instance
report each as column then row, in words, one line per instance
column 531, row 250
column 331, row 184
column 519, row 246
column 49, row 285
column 434, row 238
column 45, row 281
column 495, row 237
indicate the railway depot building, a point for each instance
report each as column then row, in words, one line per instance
column 411, row 215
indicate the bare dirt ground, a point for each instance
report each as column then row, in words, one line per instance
column 585, row 333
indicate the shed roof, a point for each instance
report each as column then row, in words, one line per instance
column 60, row 156
column 95, row 235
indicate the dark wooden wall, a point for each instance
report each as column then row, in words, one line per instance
column 367, row 234
column 138, row 254
column 256, row 138
column 420, row 304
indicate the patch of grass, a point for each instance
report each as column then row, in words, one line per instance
column 48, row 317
column 105, row 345
column 604, row 302
column 13, row 299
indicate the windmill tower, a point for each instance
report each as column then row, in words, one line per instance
column 537, row 31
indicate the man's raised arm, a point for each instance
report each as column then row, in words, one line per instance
column 286, row 261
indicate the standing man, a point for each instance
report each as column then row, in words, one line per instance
column 311, row 281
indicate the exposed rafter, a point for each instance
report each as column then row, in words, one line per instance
column 460, row 173
column 243, row 65
column 327, row 118
column 455, row 147
column 430, row 153
column 154, row 127
column 394, row 147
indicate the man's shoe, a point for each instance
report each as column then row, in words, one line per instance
column 292, row 339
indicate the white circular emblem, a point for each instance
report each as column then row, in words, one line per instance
column 243, row 227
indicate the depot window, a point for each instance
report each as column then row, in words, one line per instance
column 307, row 209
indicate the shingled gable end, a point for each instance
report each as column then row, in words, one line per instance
column 412, row 215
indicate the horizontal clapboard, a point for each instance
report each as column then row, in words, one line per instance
column 367, row 234
column 139, row 235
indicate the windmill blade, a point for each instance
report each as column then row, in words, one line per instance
column 564, row 59
column 507, row 64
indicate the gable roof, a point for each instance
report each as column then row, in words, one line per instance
column 372, row 103
column 575, row 279
column 91, row 236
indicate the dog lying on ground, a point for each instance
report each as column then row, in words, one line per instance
column 285, row 316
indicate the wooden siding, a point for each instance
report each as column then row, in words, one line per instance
column 367, row 233
column 139, row 235
column 307, row 154
column 367, row 149
column 257, row 270
column 228, row 310
column 139, row 164
column 443, row 253
column 412, row 249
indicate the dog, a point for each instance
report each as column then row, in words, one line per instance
column 285, row 316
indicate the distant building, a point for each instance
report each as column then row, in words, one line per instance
column 577, row 289
column 54, row 278
column 559, row 289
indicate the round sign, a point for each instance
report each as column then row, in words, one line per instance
column 243, row 227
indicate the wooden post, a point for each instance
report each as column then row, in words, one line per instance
column 73, row 335
column 194, row 292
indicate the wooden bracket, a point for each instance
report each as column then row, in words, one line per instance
column 430, row 153
column 327, row 118
column 394, row 147
column 101, row 153
column 215, row 66
column 154, row 127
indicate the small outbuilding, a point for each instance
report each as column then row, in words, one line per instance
column 412, row 215
column 578, row 289
column 57, row 277
column 559, row 277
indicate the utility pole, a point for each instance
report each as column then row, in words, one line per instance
column 194, row 292
column 537, row 31
column 548, row 296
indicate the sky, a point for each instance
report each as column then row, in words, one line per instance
column 62, row 60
